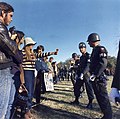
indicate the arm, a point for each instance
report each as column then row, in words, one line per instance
column 8, row 46
column 102, row 62
column 22, row 74
column 87, row 68
column 51, row 53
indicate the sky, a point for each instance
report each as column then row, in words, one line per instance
column 63, row 24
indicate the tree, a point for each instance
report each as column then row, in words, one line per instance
column 111, row 64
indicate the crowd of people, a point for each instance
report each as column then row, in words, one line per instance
column 18, row 67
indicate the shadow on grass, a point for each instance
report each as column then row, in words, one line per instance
column 58, row 101
column 116, row 112
column 63, row 90
column 46, row 112
column 81, row 105
column 67, row 83
column 65, row 93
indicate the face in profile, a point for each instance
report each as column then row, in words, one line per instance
column 91, row 44
column 8, row 18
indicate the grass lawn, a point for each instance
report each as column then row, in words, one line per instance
column 56, row 104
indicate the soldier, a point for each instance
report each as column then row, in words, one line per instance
column 74, row 67
column 82, row 76
column 97, row 66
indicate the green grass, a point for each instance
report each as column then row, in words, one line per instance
column 56, row 105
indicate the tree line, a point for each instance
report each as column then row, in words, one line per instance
column 110, row 66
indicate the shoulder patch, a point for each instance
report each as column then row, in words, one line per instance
column 102, row 49
column 103, row 52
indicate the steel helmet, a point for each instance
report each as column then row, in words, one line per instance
column 93, row 37
column 82, row 45
column 74, row 55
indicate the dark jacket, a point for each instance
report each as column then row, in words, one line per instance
column 8, row 49
column 84, row 63
column 116, row 78
column 98, row 60
column 16, row 67
column 77, row 67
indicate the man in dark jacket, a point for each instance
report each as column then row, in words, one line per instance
column 8, row 52
column 114, row 94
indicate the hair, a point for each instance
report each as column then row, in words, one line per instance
column 20, row 34
column 12, row 30
column 6, row 7
column 35, row 50
column 51, row 58
column 40, row 46
column 53, row 63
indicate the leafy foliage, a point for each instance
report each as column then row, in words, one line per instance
column 111, row 63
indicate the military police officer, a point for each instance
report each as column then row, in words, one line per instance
column 97, row 66
column 74, row 67
column 82, row 76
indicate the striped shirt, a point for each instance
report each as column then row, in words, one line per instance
column 43, row 55
column 28, row 64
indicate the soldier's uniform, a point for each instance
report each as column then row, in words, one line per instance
column 74, row 68
column 97, row 66
column 83, row 69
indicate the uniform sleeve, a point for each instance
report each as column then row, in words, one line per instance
column 87, row 68
column 102, row 61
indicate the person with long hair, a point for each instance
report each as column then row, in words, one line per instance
column 29, row 71
column 40, row 85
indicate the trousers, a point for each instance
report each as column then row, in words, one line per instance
column 101, row 93
column 79, row 83
column 7, row 92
